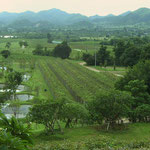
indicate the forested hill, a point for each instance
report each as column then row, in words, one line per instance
column 56, row 17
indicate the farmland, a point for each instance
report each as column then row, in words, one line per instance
column 53, row 79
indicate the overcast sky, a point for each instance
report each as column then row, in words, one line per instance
column 85, row 7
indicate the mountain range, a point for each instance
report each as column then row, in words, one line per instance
column 56, row 17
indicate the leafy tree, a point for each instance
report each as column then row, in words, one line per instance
column 131, row 56
column 88, row 58
column 46, row 113
column 62, row 50
column 102, row 55
column 49, row 37
column 13, row 80
column 145, row 54
column 26, row 44
column 143, row 112
column 119, row 50
column 21, row 43
column 140, row 71
column 110, row 106
column 38, row 50
column 5, row 53
column 72, row 112
column 138, row 90
column 8, row 44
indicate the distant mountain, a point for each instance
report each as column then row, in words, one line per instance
column 141, row 15
column 56, row 17
column 125, row 14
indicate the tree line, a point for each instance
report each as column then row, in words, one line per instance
column 126, row 52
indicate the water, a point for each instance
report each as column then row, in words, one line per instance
column 21, row 111
column 20, row 88
column 24, row 97
column 56, row 42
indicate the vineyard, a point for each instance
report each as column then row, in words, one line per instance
column 67, row 79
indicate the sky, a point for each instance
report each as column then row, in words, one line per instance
column 85, row 7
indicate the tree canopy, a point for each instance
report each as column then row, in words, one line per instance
column 62, row 50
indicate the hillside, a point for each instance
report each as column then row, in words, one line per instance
column 56, row 17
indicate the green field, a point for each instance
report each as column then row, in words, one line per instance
column 54, row 78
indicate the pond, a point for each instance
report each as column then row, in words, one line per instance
column 21, row 111
column 24, row 97
column 20, row 88
column 56, row 42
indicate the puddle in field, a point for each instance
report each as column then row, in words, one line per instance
column 24, row 97
column 20, row 88
column 21, row 111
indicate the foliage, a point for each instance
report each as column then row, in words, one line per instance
column 23, row 43
column 8, row 44
column 102, row 55
column 39, row 50
column 110, row 106
column 131, row 56
column 16, row 129
column 14, row 135
column 95, row 143
column 46, row 113
column 49, row 37
column 5, row 53
column 89, row 59
column 74, row 112
column 13, row 80
column 10, row 142
column 140, row 72
column 136, row 81
column 62, row 50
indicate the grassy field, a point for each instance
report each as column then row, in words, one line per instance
column 133, row 133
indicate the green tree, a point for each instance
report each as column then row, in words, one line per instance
column 102, row 55
column 143, row 112
column 145, row 54
column 13, row 80
column 119, row 50
column 49, row 37
column 140, row 71
column 110, row 106
column 62, row 50
column 8, row 44
column 5, row 53
column 138, row 90
column 131, row 56
column 38, row 50
column 73, row 112
column 23, row 43
column 46, row 113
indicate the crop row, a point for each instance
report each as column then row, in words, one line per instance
column 55, row 86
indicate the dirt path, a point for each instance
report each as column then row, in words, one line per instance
column 96, row 70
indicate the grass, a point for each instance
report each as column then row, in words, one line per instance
column 134, row 132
